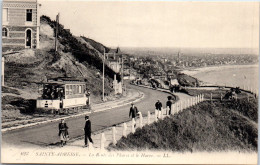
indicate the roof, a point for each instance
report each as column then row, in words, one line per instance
column 66, row 80
column 116, row 51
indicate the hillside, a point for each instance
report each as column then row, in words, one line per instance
column 25, row 69
column 217, row 126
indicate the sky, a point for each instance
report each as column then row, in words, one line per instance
column 160, row 23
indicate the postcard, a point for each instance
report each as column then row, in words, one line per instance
column 132, row 82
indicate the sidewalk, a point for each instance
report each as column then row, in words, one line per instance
column 108, row 132
column 132, row 96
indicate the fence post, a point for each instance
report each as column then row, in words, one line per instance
column 167, row 109
column 133, row 125
column 155, row 118
column 114, row 135
column 141, row 120
column 148, row 117
column 103, row 140
column 173, row 109
column 124, row 129
column 156, row 112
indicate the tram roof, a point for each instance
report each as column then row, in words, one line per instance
column 65, row 80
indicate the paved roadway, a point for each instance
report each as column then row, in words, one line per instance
column 47, row 134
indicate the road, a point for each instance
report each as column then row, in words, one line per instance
column 47, row 134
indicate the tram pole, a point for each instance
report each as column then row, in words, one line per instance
column 104, row 76
column 56, row 34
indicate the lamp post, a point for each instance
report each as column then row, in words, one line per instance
column 103, row 96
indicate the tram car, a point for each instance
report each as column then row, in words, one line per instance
column 63, row 94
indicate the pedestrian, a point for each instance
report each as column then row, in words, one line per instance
column 158, row 107
column 63, row 132
column 169, row 105
column 87, row 130
column 133, row 112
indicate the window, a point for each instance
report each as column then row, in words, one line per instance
column 80, row 89
column 5, row 15
column 29, row 15
column 4, row 32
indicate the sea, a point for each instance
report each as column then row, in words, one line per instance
column 237, row 76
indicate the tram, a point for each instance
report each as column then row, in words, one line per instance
column 63, row 94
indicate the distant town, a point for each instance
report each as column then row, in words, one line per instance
column 149, row 65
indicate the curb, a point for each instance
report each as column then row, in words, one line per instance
column 141, row 96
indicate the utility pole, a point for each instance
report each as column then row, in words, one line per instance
column 104, row 75
column 122, row 70
column 56, row 34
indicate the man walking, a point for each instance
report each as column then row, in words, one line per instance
column 87, row 130
column 169, row 105
column 158, row 107
column 133, row 112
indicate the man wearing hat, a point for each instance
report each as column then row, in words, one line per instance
column 133, row 111
column 158, row 107
column 87, row 130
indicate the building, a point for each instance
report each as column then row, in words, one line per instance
column 20, row 24
column 113, row 59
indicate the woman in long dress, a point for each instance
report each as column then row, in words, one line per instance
column 63, row 132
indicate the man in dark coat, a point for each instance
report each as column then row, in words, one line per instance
column 133, row 111
column 87, row 130
column 169, row 104
column 158, row 107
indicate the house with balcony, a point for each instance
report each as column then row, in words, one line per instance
column 20, row 24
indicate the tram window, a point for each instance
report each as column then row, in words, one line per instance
column 67, row 89
column 52, row 92
column 76, row 89
column 80, row 89
column 70, row 89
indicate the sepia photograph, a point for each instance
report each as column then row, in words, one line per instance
column 129, row 82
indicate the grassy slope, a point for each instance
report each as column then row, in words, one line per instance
column 26, row 69
column 208, row 126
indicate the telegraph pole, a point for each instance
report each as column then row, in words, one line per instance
column 56, row 34
column 122, row 69
column 104, row 76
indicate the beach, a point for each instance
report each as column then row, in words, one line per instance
column 230, row 75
